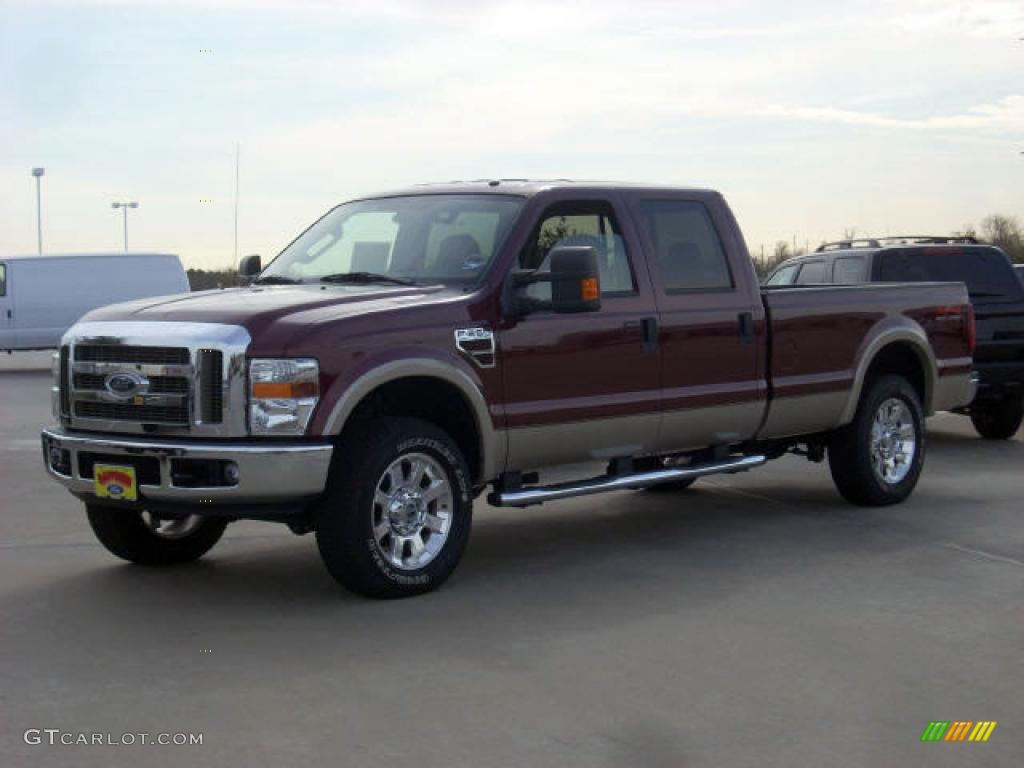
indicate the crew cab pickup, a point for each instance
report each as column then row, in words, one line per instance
column 994, row 290
column 411, row 349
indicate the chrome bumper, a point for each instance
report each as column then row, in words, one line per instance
column 267, row 472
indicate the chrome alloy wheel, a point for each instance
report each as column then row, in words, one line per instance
column 893, row 441
column 172, row 527
column 411, row 513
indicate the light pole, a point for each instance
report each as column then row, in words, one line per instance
column 125, row 206
column 38, row 173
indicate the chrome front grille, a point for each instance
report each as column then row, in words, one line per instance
column 112, row 353
column 125, row 377
column 162, row 376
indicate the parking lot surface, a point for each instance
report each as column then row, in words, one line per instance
column 752, row 620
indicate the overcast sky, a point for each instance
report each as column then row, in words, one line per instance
column 891, row 117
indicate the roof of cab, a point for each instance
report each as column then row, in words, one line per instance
column 525, row 187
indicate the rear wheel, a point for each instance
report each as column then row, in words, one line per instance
column 998, row 419
column 877, row 459
column 147, row 539
column 397, row 512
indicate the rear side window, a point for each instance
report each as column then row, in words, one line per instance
column 811, row 272
column 849, row 269
column 3, row 279
column 986, row 271
column 784, row 276
column 689, row 253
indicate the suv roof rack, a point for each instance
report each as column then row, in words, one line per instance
column 842, row 245
column 878, row 242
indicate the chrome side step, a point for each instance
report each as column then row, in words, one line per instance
column 539, row 494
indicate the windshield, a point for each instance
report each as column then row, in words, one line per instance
column 422, row 239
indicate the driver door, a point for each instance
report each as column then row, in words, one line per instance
column 583, row 386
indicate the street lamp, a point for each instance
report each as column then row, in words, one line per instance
column 38, row 173
column 125, row 206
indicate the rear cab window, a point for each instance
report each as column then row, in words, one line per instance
column 688, row 251
column 986, row 272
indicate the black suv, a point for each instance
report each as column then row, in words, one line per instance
column 995, row 288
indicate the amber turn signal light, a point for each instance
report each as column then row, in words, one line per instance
column 588, row 289
column 268, row 390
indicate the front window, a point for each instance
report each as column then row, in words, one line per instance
column 422, row 239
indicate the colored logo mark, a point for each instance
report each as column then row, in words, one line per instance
column 959, row 730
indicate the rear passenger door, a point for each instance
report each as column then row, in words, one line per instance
column 711, row 323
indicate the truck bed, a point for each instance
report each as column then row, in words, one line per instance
column 819, row 337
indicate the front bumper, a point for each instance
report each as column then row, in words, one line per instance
column 268, row 474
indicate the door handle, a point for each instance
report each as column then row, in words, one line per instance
column 649, row 333
column 648, row 328
column 746, row 327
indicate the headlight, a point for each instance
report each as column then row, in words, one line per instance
column 282, row 395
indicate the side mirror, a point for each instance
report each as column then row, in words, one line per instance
column 249, row 266
column 574, row 278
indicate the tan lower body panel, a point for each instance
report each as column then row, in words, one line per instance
column 952, row 391
column 804, row 414
column 532, row 447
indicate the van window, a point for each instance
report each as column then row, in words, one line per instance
column 3, row 279
column 986, row 271
column 687, row 247
column 811, row 272
column 784, row 276
column 848, row 269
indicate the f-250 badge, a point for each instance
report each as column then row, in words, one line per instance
column 477, row 344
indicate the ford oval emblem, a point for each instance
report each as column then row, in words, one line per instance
column 125, row 384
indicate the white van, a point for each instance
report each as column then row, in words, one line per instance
column 42, row 296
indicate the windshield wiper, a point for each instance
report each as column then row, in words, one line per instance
column 983, row 293
column 364, row 277
column 276, row 280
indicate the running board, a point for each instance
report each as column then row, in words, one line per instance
column 538, row 494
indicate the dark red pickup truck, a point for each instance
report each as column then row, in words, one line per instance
column 410, row 349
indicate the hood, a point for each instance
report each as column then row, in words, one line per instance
column 257, row 307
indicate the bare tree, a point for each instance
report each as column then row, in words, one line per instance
column 1004, row 232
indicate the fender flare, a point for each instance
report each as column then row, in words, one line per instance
column 492, row 445
column 893, row 330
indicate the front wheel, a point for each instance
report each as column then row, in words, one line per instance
column 877, row 459
column 147, row 539
column 998, row 419
column 396, row 515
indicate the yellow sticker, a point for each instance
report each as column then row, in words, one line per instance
column 115, row 482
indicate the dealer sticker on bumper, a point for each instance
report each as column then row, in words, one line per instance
column 115, row 482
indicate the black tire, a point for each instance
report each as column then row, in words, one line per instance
column 850, row 450
column 672, row 487
column 998, row 419
column 345, row 516
column 124, row 533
